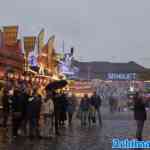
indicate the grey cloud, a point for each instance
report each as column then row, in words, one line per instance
column 99, row 29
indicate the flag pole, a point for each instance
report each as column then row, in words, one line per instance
column 63, row 47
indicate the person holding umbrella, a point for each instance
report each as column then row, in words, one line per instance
column 57, row 107
column 63, row 108
column 51, row 88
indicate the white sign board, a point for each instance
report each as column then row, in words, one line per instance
column 121, row 76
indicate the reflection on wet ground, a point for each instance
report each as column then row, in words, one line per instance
column 77, row 138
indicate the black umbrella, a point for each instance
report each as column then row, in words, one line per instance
column 56, row 85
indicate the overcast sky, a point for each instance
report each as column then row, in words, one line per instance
column 102, row 30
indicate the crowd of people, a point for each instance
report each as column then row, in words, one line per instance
column 89, row 109
column 35, row 111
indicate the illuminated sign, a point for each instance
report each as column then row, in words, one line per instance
column 32, row 60
column 121, row 76
column 64, row 69
column 66, row 65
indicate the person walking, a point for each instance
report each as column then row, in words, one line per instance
column 91, row 113
column 96, row 102
column 84, row 108
column 139, row 115
column 71, row 108
column 111, row 104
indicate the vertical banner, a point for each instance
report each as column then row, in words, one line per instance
column 42, row 57
column 40, row 40
column 51, row 45
column 51, row 53
column 29, row 43
column 10, row 35
column 46, row 56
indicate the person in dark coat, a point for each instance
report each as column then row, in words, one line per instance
column 56, row 100
column 17, row 108
column 63, row 109
column 24, row 97
column 5, row 105
column 84, row 110
column 71, row 108
column 96, row 102
column 111, row 104
column 139, row 115
column 33, row 113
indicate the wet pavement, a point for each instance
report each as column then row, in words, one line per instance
column 119, row 125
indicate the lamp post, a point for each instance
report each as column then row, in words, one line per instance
column 88, row 73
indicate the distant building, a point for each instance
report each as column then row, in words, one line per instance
column 109, row 71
